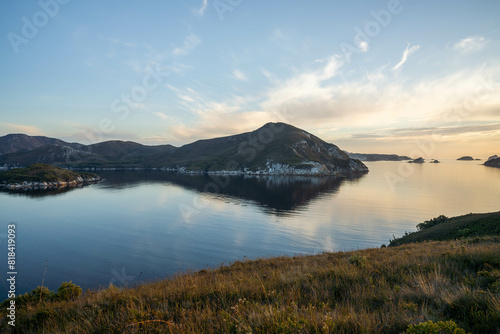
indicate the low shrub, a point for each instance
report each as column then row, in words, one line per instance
column 440, row 327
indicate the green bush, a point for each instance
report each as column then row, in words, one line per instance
column 68, row 291
column 441, row 327
column 41, row 293
column 433, row 222
column 358, row 260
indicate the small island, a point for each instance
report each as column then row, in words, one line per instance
column 466, row 158
column 434, row 161
column 417, row 161
column 42, row 176
column 493, row 161
column 377, row 157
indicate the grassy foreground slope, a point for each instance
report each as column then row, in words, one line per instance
column 443, row 228
column 368, row 291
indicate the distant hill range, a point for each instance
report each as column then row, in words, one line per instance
column 378, row 157
column 19, row 142
column 275, row 148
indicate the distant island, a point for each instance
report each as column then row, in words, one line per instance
column 493, row 161
column 466, row 158
column 42, row 176
column 377, row 157
column 273, row 149
column 417, row 161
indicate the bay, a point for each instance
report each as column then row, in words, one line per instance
column 138, row 226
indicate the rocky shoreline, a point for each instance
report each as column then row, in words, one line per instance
column 273, row 169
column 48, row 185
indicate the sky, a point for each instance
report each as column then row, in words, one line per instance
column 418, row 78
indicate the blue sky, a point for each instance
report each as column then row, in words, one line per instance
column 403, row 77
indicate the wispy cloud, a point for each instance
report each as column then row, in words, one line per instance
column 377, row 74
column 239, row 75
column 115, row 46
column 279, row 35
column 161, row 115
column 378, row 98
column 221, row 121
column 20, row 128
column 180, row 67
column 304, row 89
column 362, row 45
column 325, row 95
column 201, row 11
column 470, row 44
column 190, row 43
column 183, row 95
column 407, row 52
column 414, row 133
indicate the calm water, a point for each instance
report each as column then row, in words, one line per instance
column 140, row 226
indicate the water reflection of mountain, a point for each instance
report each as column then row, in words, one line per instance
column 276, row 194
column 38, row 193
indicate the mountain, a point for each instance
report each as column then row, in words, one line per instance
column 62, row 156
column 106, row 154
column 20, row 142
column 377, row 157
column 116, row 150
column 275, row 148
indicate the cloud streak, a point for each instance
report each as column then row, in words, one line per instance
column 407, row 52
column 320, row 99
column 470, row 44
column 413, row 133
column 239, row 75
column 20, row 128
column 203, row 7
column 190, row 43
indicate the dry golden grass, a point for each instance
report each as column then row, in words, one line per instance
column 367, row 291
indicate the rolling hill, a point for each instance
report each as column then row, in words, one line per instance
column 20, row 142
column 275, row 148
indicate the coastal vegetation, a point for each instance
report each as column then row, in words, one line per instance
column 43, row 173
column 447, row 286
column 444, row 228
